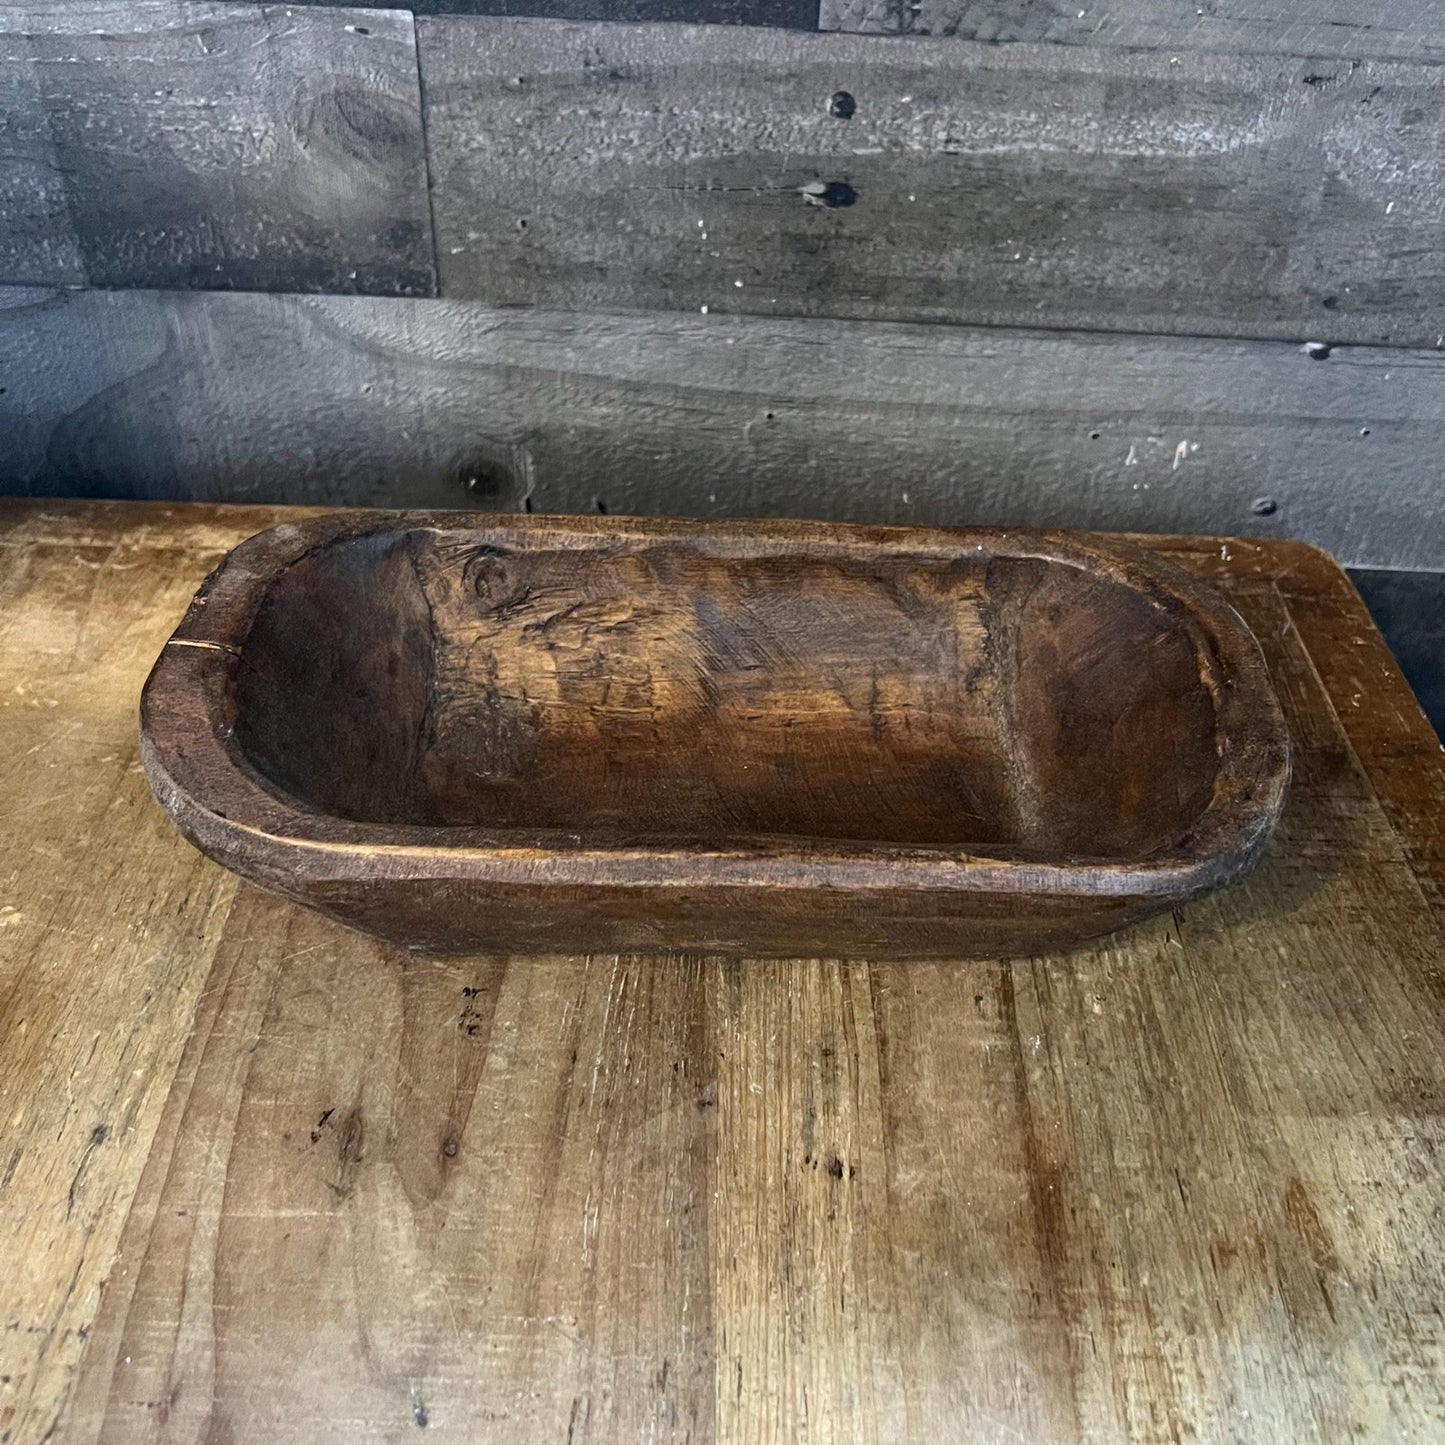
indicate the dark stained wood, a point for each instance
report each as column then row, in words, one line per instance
column 1374, row 714
column 1336, row 29
column 582, row 734
column 225, row 146
column 1193, row 193
column 1181, row 1183
column 372, row 401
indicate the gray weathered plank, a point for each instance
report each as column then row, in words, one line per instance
column 789, row 14
column 1342, row 29
column 666, row 167
column 188, row 143
column 361, row 401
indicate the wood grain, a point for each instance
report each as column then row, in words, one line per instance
column 372, row 401
column 1408, row 759
column 457, row 1278
column 1186, row 1185
column 612, row 734
column 107, row 931
column 1335, row 29
column 787, row 14
column 1191, row 193
column 223, row 146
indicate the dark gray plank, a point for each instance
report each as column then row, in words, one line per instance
column 404, row 403
column 788, row 14
column 657, row 167
column 1348, row 29
column 169, row 143
column 1409, row 608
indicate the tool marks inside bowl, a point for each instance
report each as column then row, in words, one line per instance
column 692, row 689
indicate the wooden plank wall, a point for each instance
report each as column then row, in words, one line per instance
column 220, row 146
column 1194, row 194
column 359, row 400
column 1188, row 260
column 1327, row 29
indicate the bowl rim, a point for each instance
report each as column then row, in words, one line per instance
column 203, row 780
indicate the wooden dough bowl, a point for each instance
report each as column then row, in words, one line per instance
column 560, row 734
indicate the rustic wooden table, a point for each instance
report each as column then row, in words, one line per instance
column 262, row 1179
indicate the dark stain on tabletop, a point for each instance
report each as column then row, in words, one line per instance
column 350, row 1139
column 98, row 1136
column 348, row 1144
